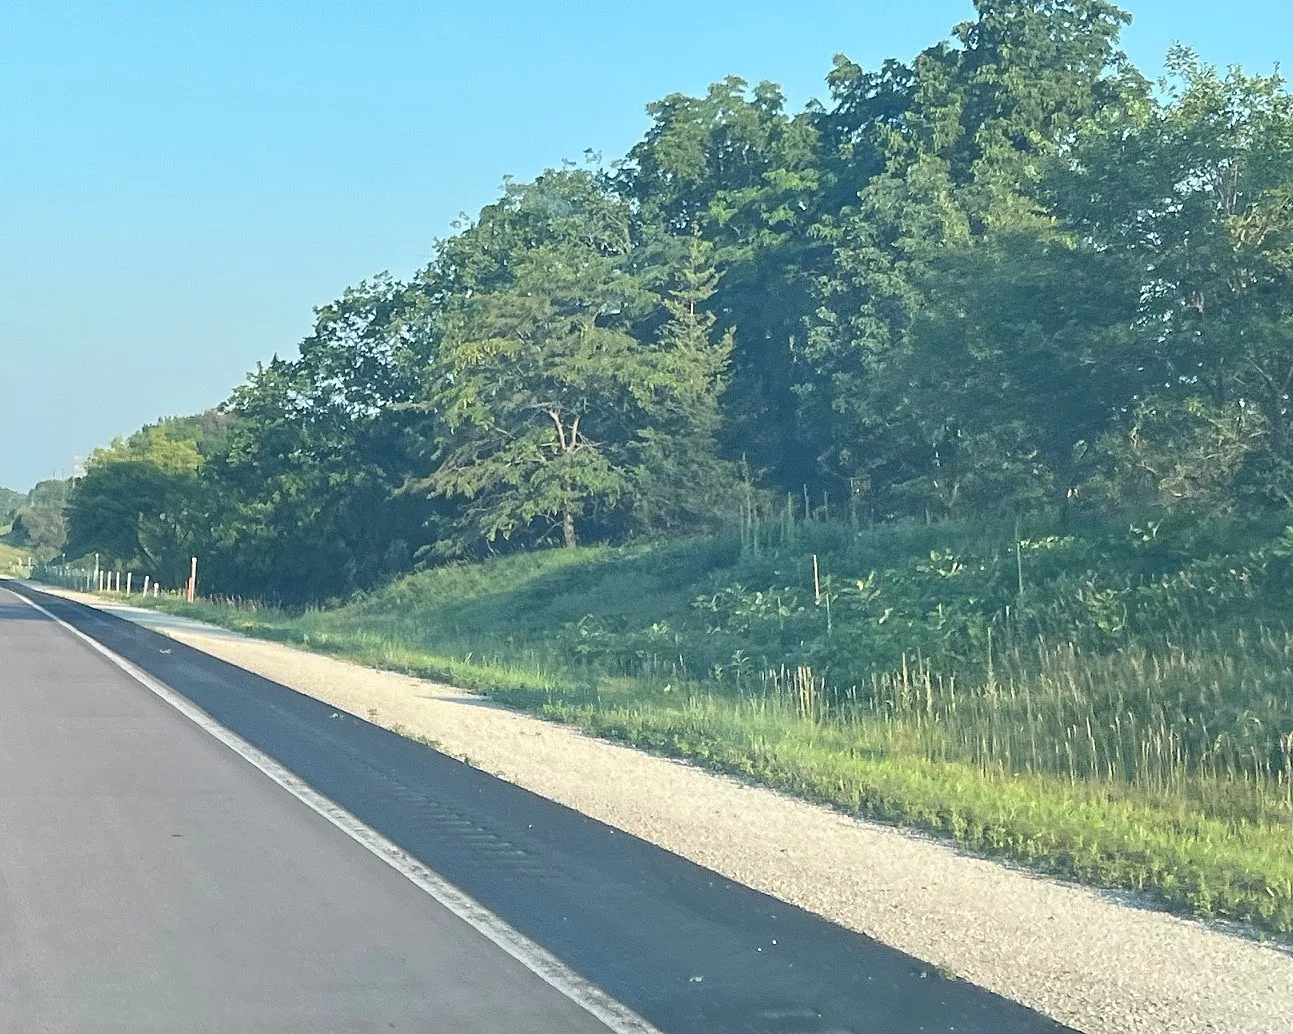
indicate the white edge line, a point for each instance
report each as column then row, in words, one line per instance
column 588, row 996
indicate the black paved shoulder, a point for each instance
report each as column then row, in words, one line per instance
column 684, row 947
column 152, row 881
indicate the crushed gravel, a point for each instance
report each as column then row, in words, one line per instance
column 1075, row 954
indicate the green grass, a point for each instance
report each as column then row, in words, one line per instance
column 10, row 556
column 1126, row 719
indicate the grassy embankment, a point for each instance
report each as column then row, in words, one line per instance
column 10, row 556
column 1110, row 705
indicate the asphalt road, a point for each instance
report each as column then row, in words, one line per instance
column 150, row 879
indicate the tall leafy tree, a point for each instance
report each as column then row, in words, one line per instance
column 310, row 501
column 550, row 383
column 534, row 374
column 10, row 502
column 735, row 168
column 962, row 162
column 680, row 479
column 1196, row 190
column 141, row 504
column 1021, row 358
column 40, row 524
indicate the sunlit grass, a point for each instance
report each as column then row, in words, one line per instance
column 1148, row 750
column 11, row 557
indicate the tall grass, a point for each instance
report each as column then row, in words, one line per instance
column 1204, row 723
column 1126, row 719
column 12, row 559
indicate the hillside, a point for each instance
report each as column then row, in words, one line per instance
column 894, row 462
column 1119, row 720
column 10, row 556
column 10, row 501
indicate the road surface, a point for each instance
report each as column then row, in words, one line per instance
column 151, row 879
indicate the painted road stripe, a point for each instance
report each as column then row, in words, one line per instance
column 615, row 1015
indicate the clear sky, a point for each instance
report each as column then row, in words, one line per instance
column 181, row 182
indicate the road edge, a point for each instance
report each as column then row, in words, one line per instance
column 588, row 996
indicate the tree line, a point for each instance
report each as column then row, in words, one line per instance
column 1013, row 273
column 36, row 520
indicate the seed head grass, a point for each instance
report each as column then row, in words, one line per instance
column 1125, row 721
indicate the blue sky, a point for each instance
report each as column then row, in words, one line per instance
column 181, row 182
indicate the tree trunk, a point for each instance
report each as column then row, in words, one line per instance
column 568, row 529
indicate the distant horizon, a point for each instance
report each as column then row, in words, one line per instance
column 185, row 188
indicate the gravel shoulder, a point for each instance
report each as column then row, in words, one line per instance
column 1070, row 952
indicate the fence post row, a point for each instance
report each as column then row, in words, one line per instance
column 102, row 580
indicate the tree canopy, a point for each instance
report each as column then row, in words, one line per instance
column 1009, row 272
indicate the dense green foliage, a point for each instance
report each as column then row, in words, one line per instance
column 1124, row 719
column 35, row 525
column 1007, row 276
column 10, row 502
column 999, row 339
